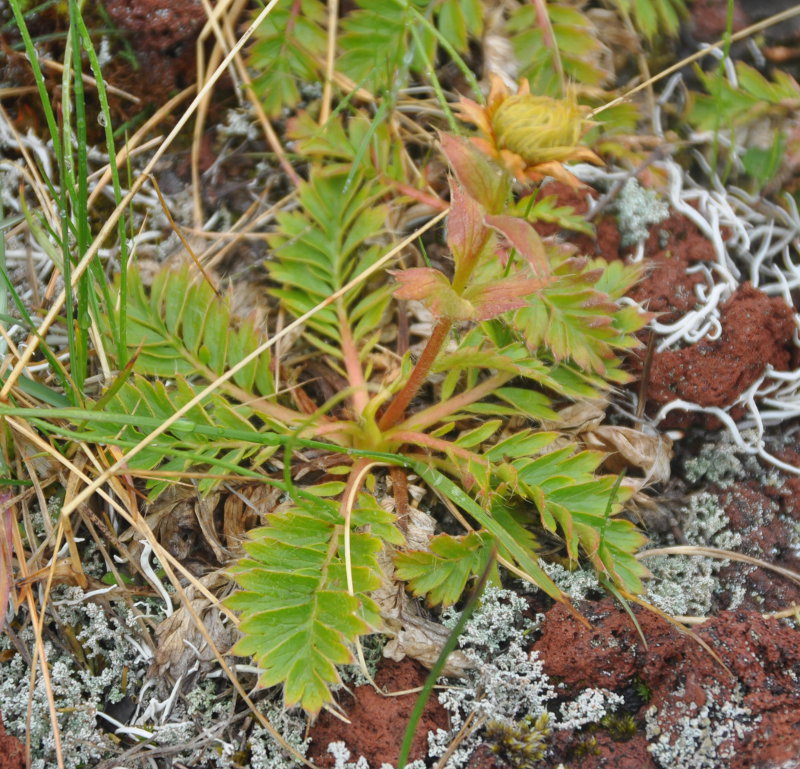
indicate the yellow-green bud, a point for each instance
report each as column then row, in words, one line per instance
column 539, row 129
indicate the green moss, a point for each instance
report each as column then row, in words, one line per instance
column 642, row 689
column 621, row 727
column 588, row 746
column 520, row 744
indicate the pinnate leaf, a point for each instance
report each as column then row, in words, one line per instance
column 571, row 498
column 575, row 317
column 323, row 246
column 284, row 53
column 182, row 328
column 297, row 616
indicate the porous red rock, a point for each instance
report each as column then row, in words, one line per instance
column 759, row 685
column 378, row 722
column 757, row 511
column 158, row 24
column 12, row 751
column 756, row 331
column 163, row 33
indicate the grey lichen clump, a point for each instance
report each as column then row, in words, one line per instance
column 637, row 209
column 687, row 585
column 80, row 692
column 265, row 752
column 698, row 737
column 508, row 688
column 720, row 463
column 577, row 584
column 113, row 667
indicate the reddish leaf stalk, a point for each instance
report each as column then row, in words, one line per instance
column 430, row 416
column 397, row 408
column 355, row 373
column 438, row 444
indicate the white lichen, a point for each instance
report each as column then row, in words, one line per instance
column 265, row 752
column 719, row 463
column 637, row 209
column 705, row 522
column 588, row 708
column 689, row 585
column 114, row 666
column 701, row 737
column 577, row 584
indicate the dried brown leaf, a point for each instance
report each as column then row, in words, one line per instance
column 242, row 511
column 581, row 415
column 631, row 448
column 423, row 640
column 181, row 645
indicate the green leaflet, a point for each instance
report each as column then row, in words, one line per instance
column 320, row 249
column 181, row 328
column 575, row 36
column 377, row 37
column 655, row 18
column 296, row 613
column 494, row 345
column 728, row 106
column 184, row 446
column 373, row 40
column 286, row 51
column 181, row 331
column 505, row 533
column 576, row 317
column 362, row 138
column 546, row 209
column 441, row 574
column 571, row 498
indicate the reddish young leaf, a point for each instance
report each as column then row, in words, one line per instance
column 493, row 299
column 467, row 235
column 433, row 289
column 482, row 180
column 525, row 239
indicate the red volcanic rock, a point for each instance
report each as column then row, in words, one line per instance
column 756, row 331
column 742, row 715
column 158, row 25
column 12, row 751
column 377, row 722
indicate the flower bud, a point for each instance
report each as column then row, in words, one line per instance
column 539, row 129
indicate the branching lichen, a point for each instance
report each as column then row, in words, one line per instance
column 700, row 737
column 638, row 209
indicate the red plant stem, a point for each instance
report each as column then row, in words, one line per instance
column 353, row 366
column 427, row 417
column 438, row 444
column 400, row 493
column 397, row 408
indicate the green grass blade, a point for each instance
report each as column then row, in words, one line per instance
column 438, row 666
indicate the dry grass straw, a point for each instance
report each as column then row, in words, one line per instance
column 330, row 55
column 111, row 223
column 229, row 11
column 171, row 566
